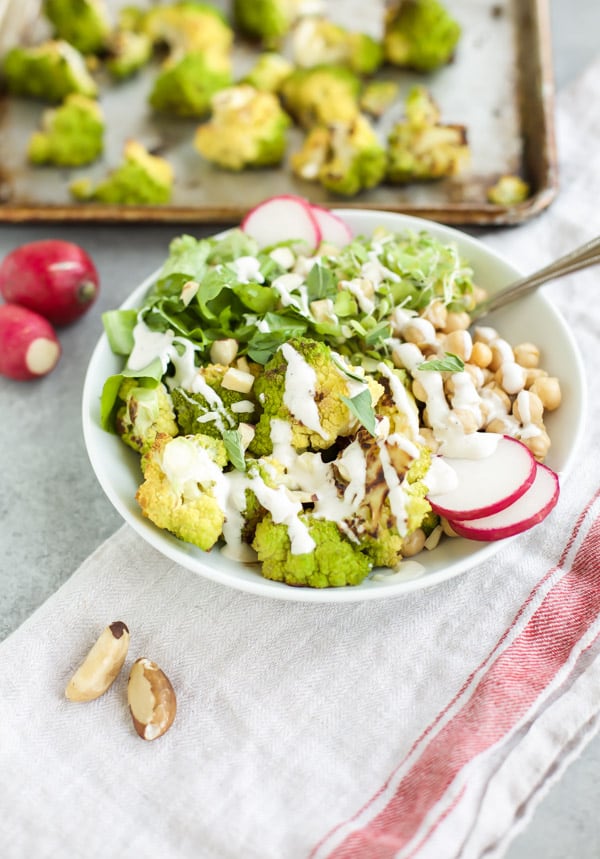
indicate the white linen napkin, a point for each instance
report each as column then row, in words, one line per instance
column 424, row 726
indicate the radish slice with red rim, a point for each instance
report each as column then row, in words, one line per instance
column 280, row 219
column 488, row 485
column 528, row 510
column 333, row 229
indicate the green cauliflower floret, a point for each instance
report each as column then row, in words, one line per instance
column 321, row 95
column 375, row 523
column 329, row 415
column 378, row 96
column 142, row 179
column 508, row 191
column 217, row 409
column 422, row 148
column 84, row 24
column 317, row 41
column 248, row 128
column 345, row 157
column 334, row 562
column 50, row 72
column 189, row 27
column 267, row 20
column 269, row 72
column 186, row 84
column 178, row 493
column 146, row 411
column 127, row 53
column 419, row 34
column 71, row 134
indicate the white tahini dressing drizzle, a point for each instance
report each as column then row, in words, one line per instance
column 300, row 389
column 247, row 270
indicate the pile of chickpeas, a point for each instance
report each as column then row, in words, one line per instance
column 522, row 391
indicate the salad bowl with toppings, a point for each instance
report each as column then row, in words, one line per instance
column 299, row 407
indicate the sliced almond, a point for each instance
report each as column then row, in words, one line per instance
column 224, row 351
column 101, row 665
column 151, row 698
column 238, row 380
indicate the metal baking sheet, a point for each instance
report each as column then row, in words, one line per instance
column 499, row 85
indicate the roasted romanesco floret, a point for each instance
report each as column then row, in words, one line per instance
column 321, row 95
column 71, row 134
column 189, row 27
column 508, row 191
column 127, row 52
column 345, row 157
column 388, row 515
column 247, row 129
column 214, row 407
column 318, row 416
column 269, row 72
column 419, row 34
column 146, row 411
column 141, row 179
column 84, row 24
column 378, row 96
column 334, row 561
column 186, row 83
column 317, row 41
column 421, row 147
column 181, row 478
column 267, row 20
column 49, row 72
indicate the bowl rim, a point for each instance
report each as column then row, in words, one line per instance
column 187, row 555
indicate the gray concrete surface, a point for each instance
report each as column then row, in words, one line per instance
column 53, row 513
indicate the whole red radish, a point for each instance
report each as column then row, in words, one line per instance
column 29, row 347
column 54, row 278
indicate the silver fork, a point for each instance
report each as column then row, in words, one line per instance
column 582, row 257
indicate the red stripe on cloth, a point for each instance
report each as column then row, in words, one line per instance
column 501, row 698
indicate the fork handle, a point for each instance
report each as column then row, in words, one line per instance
column 582, row 257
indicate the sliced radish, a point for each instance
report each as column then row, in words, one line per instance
column 332, row 228
column 533, row 506
column 280, row 219
column 486, row 486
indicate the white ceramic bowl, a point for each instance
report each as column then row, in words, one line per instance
column 530, row 319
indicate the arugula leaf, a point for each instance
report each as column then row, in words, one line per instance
column 187, row 256
column 319, row 283
column 380, row 332
column 361, row 407
column 450, row 363
column 346, row 369
column 235, row 451
column 119, row 325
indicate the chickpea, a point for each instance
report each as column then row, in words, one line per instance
column 481, row 354
column 506, row 425
column 457, row 321
column 539, row 445
column 419, row 331
column 436, row 313
column 511, row 377
column 429, row 439
column 419, row 391
column 447, row 528
column 496, row 393
column 479, row 295
column 548, row 390
column 413, row 544
column 485, row 334
column 528, row 408
column 527, row 355
column 501, row 352
column 476, row 374
column 459, row 343
column 534, row 373
column 466, row 419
